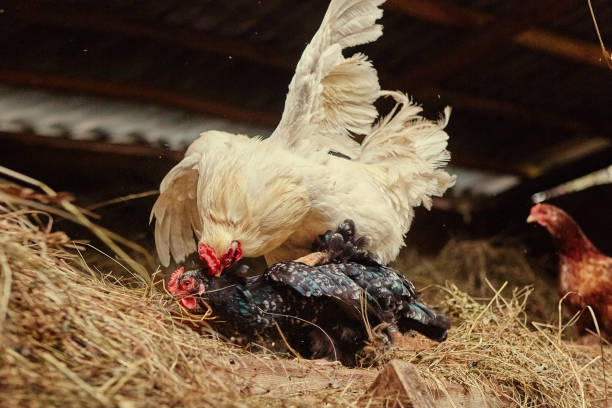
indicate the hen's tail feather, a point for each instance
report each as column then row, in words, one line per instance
column 424, row 320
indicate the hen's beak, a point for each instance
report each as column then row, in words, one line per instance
column 531, row 218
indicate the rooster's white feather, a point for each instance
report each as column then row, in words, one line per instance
column 275, row 195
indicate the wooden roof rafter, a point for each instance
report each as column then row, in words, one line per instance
column 197, row 40
column 494, row 34
column 447, row 14
column 460, row 100
column 142, row 93
column 435, row 11
column 489, row 32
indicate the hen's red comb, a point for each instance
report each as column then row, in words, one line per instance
column 173, row 282
column 207, row 254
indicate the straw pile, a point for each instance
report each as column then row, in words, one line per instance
column 472, row 265
column 70, row 336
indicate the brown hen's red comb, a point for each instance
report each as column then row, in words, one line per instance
column 536, row 207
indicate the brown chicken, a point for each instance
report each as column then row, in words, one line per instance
column 583, row 269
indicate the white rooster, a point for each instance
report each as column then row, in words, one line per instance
column 273, row 196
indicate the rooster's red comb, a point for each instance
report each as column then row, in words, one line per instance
column 232, row 255
column 207, row 254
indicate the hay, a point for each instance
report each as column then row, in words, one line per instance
column 494, row 350
column 471, row 264
column 71, row 336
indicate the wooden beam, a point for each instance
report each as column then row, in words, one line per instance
column 448, row 14
column 435, row 11
column 487, row 106
column 499, row 108
column 520, row 196
column 440, row 12
column 562, row 46
column 488, row 37
column 432, row 10
column 134, row 92
column 73, row 17
column 509, row 209
column 100, row 169
column 230, row 112
column 118, row 149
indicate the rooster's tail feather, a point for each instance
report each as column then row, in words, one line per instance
column 409, row 152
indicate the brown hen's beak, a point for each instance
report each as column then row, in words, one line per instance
column 531, row 218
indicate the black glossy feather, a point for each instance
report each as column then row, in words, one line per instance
column 318, row 309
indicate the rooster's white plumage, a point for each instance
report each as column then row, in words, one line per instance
column 273, row 196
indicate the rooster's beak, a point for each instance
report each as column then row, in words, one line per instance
column 531, row 218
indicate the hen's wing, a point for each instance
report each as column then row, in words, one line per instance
column 331, row 96
column 324, row 281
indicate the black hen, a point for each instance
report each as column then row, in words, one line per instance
column 318, row 309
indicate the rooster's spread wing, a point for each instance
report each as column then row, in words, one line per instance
column 176, row 212
column 331, row 96
column 176, row 209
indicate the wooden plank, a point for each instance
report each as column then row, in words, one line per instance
column 400, row 385
column 281, row 378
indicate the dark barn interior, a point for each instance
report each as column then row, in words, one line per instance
column 101, row 98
